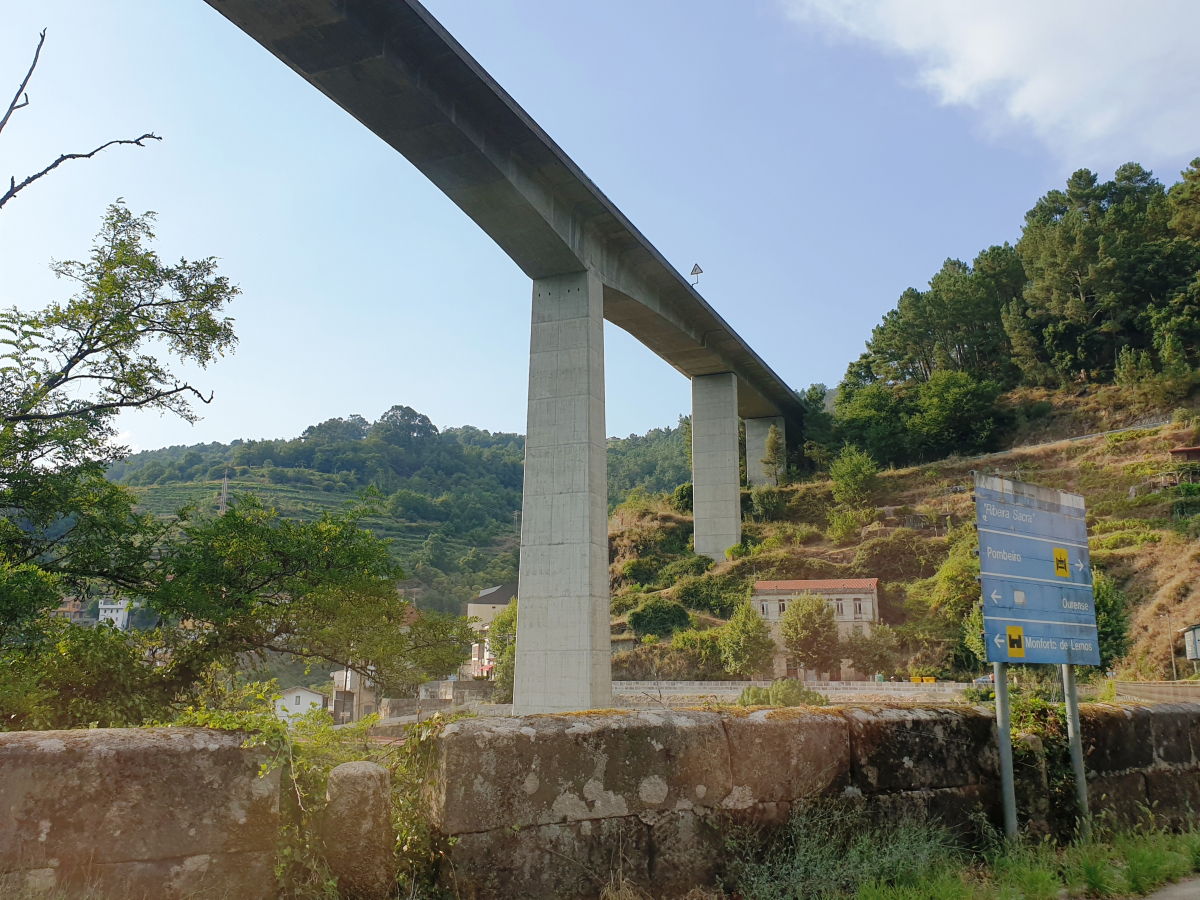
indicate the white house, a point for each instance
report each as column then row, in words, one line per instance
column 299, row 700
column 855, row 603
column 116, row 612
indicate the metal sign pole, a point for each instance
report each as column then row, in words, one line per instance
column 1081, row 791
column 1004, row 741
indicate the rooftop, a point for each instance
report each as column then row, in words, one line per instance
column 831, row 584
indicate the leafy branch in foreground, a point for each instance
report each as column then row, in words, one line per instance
column 250, row 581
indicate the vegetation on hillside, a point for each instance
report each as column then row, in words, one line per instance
column 1102, row 288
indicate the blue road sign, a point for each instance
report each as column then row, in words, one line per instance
column 1036, row 575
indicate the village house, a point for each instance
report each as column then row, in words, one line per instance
column 353, row 696
column 855, row 603
column 298, row 700
column 488, row 604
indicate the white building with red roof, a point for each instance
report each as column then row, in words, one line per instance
column 855, row 603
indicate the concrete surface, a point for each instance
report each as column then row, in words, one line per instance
column 393, row 67
column 716, row 465
column 1184, row 890
column 756, row 447
column 156, row 812
column 563, row 635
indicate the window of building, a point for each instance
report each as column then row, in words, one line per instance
column 782, row 606
column 763, row 606
column 858, row 607
column 840, row 609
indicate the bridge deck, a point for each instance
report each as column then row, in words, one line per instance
column 393, row 67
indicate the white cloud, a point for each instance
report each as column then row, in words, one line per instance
column 1095, row 80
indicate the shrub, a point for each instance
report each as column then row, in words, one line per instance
column 681, row 498
column 680, row 568
column 854, row 475
column 716, row 594
column 658, row 616
column 768, row 502
column 640, row 569
column 845, row 524
column 782, row 692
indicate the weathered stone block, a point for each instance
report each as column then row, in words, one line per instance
column 356, row 831
column 1115, row 738
column 916, row 749
column 565, row 861
column 1174, row 794
column 1032, row 783
column 1170, row 729
column 1122, row 795
column 163, row 811
column 784, row 755
column 685, row 850
column 952, row 808
column 539, row 770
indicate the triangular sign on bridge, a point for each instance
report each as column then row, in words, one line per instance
column 696, row 270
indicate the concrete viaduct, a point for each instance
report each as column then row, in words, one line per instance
column 393, row 67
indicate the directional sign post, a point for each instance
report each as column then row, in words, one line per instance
column 1038, row 605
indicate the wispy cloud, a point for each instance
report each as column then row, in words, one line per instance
column 1100, row 81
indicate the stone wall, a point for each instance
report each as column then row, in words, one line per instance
column 552, row 805
column 153, row 812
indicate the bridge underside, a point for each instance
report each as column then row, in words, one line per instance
column 393, row 67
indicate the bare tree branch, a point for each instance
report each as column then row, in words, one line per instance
column 16, row 104
column 14, row 188
column 92, row 408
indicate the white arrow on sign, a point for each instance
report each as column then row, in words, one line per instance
column 999, row 641
column 1079, row 565
column 996, row 597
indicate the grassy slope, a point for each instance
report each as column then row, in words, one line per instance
column 1135, row 540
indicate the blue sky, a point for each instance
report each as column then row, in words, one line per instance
column 815, row 157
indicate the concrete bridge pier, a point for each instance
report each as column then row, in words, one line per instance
column 716, row 470
column 756, row 446
column 563, row 642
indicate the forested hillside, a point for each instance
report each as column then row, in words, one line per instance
column 1102, row 289
column 449, row 500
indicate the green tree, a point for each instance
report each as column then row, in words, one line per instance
column 502, row 640
column 745, row 642
column 1108, row 270
column 809, row 630
column 252, row 581
column 954, row 413
column 876, row 651
column 774, row 458
column 1112, row 619
column 68, row 370
column 854, row 475
column 1184, row 200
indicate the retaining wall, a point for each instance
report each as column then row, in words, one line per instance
column 552, row 805
column 137, row 812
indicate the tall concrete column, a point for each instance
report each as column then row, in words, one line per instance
column 756, row 447
column 716, row 477
column 563, row 647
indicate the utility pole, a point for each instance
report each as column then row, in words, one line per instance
column 224, row 502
